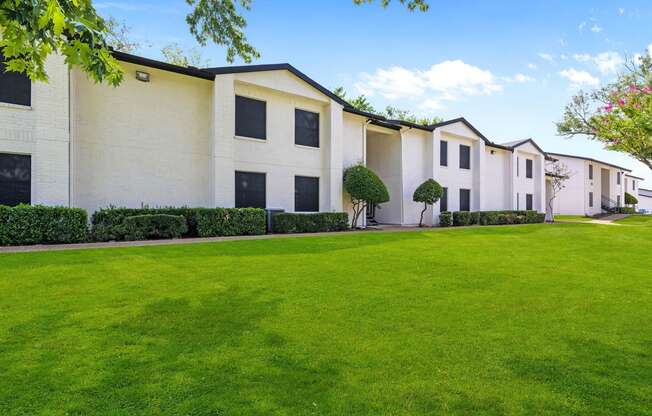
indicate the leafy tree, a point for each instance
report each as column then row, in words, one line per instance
column 618, row 115
column 360, row 102
column 118, row 38
column 31, row 30
column 630, row 199
column 174, row 54
column 429, row 193
column 365, row 188
column 559, row 174
column 406, row 115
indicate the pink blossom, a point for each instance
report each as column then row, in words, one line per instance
column 609, row 107
column 647, row 89
column 633, row 88
column 621, row 102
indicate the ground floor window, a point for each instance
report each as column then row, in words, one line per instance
column 591, row 199
column 528, row 201
column 15, row 179
column 250, row 190
column 443, row 201
column 465, row 200
column 306, row 194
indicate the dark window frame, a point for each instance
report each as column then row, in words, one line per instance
column 15, row 191
column 590, row 199
column 465, row 164
column 590, row 172
column 15, row 87
column 240, row 202
column 618, row 178
column 467, row 192
column 443, row 153
column 298, row 130
column 313, row 205
column 518, row 166
column 529, row 168
column 242, row 127
column 443, row 201
column 529, row 202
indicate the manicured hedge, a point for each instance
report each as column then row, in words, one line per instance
column 26, row 224
column 446, row 219
column 154, row 226
column 217, row 222
column 108, row 223
column 462, row 218
column 310, row 223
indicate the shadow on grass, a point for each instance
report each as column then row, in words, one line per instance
column 596, row 378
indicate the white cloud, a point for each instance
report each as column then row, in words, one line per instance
column 546, row 56
column 579, row 78
column 608, row 62
column 532, row 66
column 448, row 80
column 581, row 27
column 582, row 57
column 563, row 57
column 523, row 78
column 621, row 11
column 431, row 104
column 596, row 29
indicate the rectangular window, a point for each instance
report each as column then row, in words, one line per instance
column 465, row 157
column 306, row 194
column 443, row 202
column 528, row 202
column 618, row 200
column 591, row 172
column 443, row 153
column 306, row 128
column 15, row 179
column 618, row 178
column 590, row 199
column 250, row 190
column 518, row 201
column 465, row 200
column 250, row 118
column 633, row 185
column 528, row 168
column 15, row 87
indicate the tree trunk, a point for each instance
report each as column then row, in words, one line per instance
column 425, row 207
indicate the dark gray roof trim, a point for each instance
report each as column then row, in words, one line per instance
column 516, row 144
column 635, row 177
column 590, row 160
column 164, row 66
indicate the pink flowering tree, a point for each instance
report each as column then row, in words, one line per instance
column 619, row 115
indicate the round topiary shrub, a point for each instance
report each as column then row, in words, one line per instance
column 365, row 188
column 630, row 199
column 428, row 193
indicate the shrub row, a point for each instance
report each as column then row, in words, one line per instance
column 26, row 224
column 310, row 223
column 154, row 226
column 461, row 218
column 110, row 223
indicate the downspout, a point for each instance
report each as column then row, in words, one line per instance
column 69, row 141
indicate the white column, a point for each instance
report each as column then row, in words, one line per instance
column 542, row 183
column 513, row 177
column 434, row 158
column 223, row 141
column 335, row 159
column 478, row 174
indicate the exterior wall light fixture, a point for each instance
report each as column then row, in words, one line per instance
column 142, row 76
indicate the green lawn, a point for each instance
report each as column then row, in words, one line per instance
column 527, row 320
column 573, row 218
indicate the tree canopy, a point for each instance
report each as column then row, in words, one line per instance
column 365, row 189
column 618, row 115
column 31, row 30
column 428, row 193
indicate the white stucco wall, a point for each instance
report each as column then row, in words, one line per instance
column 416, row 151
column 524, row 185
column 496, row 190
column 384, row 155
column 645, row 201
column 353, row 145
column 142, row 143
column 42, row 131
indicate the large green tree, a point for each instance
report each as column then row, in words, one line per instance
column 618, row 115
column 31, row 30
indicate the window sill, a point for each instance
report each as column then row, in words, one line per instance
column 15, row 106
column 250, row 139
column 302, row 146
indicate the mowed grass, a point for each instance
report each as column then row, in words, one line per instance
column 519, row 320
column 573, row 218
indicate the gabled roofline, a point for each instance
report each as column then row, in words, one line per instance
column 635, row 177
column 529, row 140
column 164, row 66
column 590, row 160
column 278, row 67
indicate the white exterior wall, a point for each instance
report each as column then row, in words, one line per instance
column 417, row 164
column 42, row 131
column 142, row 143
column 384, row 156
column 524, row 185
column 354, row 152
column 645, row 201
column 497, row 185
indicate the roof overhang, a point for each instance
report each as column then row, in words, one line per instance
column 590, row 160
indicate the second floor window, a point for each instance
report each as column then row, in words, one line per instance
column 465, row 157
column 250, row 118
column 443, row 153
column 306, row 128
column 15, row 87
column 528, row 168
column 591, row 172
column 617, row 178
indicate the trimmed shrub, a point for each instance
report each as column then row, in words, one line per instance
column 630, row 199
column 497, row 217
column 154, row 226
column 446, row 219
column 26, row 224
column 625, row 210
column 310, row 223
column 108, row 223
column 429, row 193
column 461, row 218
column 219, row 222
column 534, row 217
column 365, row 189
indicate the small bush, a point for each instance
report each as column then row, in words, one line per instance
column 108, row 223
column 625, row 210
column 461, row 218
column 154, row 226
column 446, row 219
column 218, row 222
column 630, row 199
column 365, row 188
column 26, row 224
column 534, row 217
column 310, row 223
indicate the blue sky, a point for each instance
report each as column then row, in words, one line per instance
column 509, row 67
